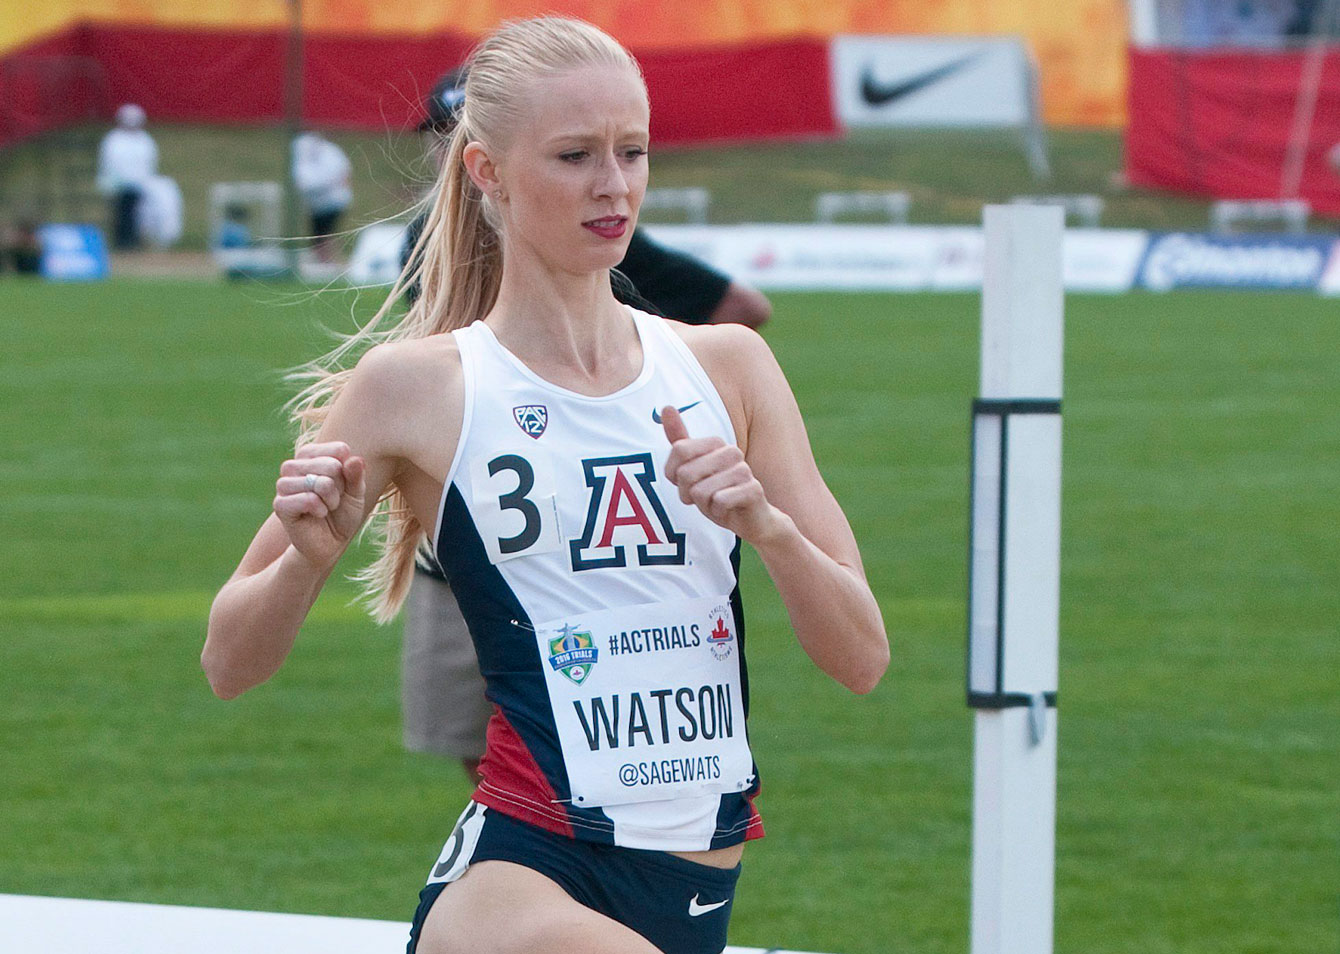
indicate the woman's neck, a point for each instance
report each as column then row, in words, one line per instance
column 567, row 328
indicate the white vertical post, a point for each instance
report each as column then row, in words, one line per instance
column 1014, row 582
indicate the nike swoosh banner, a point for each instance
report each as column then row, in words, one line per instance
column 217, row 50
column 931, row 81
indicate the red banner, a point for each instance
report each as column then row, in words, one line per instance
column 765, row 89
column 1218, row 123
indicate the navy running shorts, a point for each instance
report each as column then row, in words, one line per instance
column 678, row 905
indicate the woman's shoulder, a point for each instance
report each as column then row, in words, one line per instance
column 729, row 353
column 403, row 384
column 741, row 367
column 410, row 363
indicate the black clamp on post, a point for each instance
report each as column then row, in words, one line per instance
column 988, row 495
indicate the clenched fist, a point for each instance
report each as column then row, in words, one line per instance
column 319, row 499
column 714, row 476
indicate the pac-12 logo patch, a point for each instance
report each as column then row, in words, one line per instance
column 573, row 654
column 719, row 637
column 531, row 418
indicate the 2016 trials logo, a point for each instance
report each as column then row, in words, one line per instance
column 531, row 418
column 573, row 654
column 719, row 639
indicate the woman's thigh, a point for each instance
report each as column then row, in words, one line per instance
column 497, row 907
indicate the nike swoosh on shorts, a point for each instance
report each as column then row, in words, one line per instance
column 698, row 910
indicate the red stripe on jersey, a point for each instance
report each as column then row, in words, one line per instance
column 755, row 829
column 513, row 783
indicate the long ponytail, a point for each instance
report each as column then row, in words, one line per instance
column 456, row 263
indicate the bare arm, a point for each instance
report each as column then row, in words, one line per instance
column 256, row 615
column 770, row 493
column 358, row 453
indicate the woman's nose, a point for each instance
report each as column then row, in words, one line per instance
column 611, row 181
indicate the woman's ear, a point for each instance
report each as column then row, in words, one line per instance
column 481, row 168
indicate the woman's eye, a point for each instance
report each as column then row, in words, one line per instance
column 576, row 156
column 634, row 153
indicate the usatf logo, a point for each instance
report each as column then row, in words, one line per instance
column 625, row 512
column 531, row 418
column 719, row 638
column 573, row 654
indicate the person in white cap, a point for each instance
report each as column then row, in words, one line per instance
column 127, row 159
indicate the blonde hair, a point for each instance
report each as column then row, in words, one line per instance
column 456, row 262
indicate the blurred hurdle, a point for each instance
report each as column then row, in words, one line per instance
column 693, row 201
column 1230, row 215
column 1084, row 208
column 892, row 205
column 35, row 925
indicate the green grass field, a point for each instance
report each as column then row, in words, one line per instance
column 1199, row 751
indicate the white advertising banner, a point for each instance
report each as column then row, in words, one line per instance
column 931, row 81
column 891, row 258
column 1102, row 260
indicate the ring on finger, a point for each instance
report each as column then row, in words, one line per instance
column 310, row 482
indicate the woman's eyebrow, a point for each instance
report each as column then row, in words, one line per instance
column 588, row 136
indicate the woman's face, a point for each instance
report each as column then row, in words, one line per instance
column 574, row 169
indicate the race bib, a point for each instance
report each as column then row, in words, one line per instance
column 515, row 507
column 648, row 701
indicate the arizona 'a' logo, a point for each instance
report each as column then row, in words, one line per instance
column 531, row 418
column 573, row 654
column 625, row 512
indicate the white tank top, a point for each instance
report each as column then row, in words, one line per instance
column 605, row 611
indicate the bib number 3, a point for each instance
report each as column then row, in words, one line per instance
column 515, row 506
column 517, row 500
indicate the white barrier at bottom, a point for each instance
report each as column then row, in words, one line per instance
column 36, row 925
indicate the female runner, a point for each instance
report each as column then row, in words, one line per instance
column 584, row 474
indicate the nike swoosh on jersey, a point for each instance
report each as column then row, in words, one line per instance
column 656, row 412
column 875, row 93
column 698, row 910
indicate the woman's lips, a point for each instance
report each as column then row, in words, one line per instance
column 611, row 227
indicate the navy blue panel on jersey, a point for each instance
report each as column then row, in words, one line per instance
column 736, row 814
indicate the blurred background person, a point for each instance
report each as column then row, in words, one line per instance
column 20, row 250
column 160, row 213
column 127, row 160
column 442, row 691
column 321, row 176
